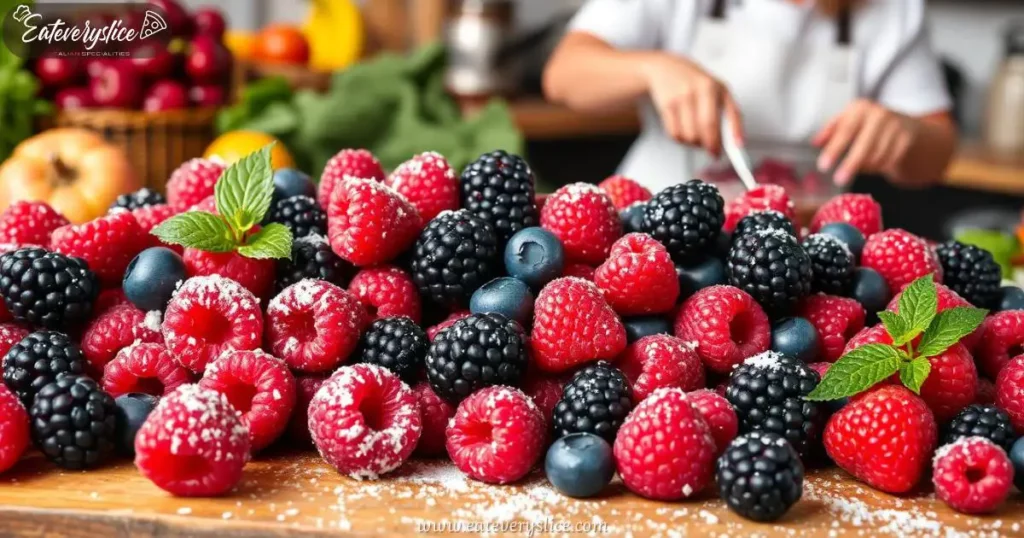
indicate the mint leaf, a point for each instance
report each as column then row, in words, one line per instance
column 913, row 373
column 897, row 326
column 197, row 229
column 857, row 371
column 918, row 304
column 244, row 190
column 948, row 328
column 272, row 241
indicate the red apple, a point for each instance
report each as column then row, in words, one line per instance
column 116, row 85
column 58, row 71
column 165, row 95
column 176, row 16
column 74, row 98
column 93, row 66
column 207, row 95
column 207, row 61
column 209, row 21
column 153, row 60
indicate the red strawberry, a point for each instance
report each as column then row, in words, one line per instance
column 573, row 324
column 759, row 199
column 428, row 182
column 859, row 210
column 368, row 223
column 191, row 182
column 623, row 191
column 837, row 320
column 347, row 163
column 584, row 219
column 638, row 277
column 884, row 437
column 107, row 244
column 900, row 257
column 29, row 223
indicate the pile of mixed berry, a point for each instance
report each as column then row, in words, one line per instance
column 675, row 340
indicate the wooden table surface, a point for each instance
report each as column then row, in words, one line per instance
column 297, row 494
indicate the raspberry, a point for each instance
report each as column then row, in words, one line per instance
column 579, row 270
column 623, row 191
column 150, row 217
column 368, row 223
column 306, row 387
column 869, row 335
column 447, row 322
column 837, row 319
column 900, row 257
column 10, row 334
column 1001, row 337
column 1010, row 391
column 764, row 197
column 428, row 182
column 985, row 393
column 658, row 361
column 107, row 244
column 14, row 429
column 545, row 391
column 435, row 413
column 662, row 470
column 638, row 277
column 191, row 182
column 719, row 415
column 193, row 444
column 347, row 163
column 727, row 325
column 207, row 316
column 146, row 368
column 256, row 275
column 947, row 299
column 208, row 204
column 364, row 421
column 115, row 330
column 496, row 436
column 972, row 475
column 386, row 291
column 29, row 223
column 259, row 387
column 859, row 210
column 584, row 219
column 573, row 324
column 314, row 325
column 109, row 299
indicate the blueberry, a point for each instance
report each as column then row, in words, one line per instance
column 535, row 256
column 290, row 182
column 152, row 276
column 1011, row 298
column 697, row 276
column 508, row 296
column 132, row 410
column 797, row 338
column 632, row 217
column 847, row 234
column 1017, row 458
column 580, row 464
column 641, row 326
column 870, row 290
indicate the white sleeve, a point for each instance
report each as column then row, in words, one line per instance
column 623, row 24
column 914, row 85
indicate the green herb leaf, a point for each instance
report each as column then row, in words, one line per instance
column 197, row 229
column 857, row 371
column 918, row 304
column 913, row 373
column 272, row 241
column 897, row 326
column 948, row 328
column 244, row 190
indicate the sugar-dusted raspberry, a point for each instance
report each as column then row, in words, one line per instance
column 259, row 386
column 972, row 475
column 208, row 204
column 859, row 210
column 900, row 257
column 107, row 244
column 1001, row 338
column 719, row 415
column 150, row 217
column 579, row 270
column 497, row 435
column 314, row 325
column 726, row 323
column 386, row 291
column 115, row 330
column 29, row 223
column 10, row 334
column 256, row 275
column 306, row 386
column 638, row 277
column 193, row 444
column 659, row 470
column 191, row 182
column 433, row 330
column 584, row 219
column 573, row 324
column 659, row 361
column 368, row 223
column 762, row 198
column 14, row 429
column 347, row 163
column 145, row 368
column 364, row 421
column 1010, row 391
column 436, row 413
column 837, row 320
column 545, row 391
column 209, row 315
column 428, row 182
column 623, row 191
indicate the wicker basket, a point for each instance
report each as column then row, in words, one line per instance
column 299, row 77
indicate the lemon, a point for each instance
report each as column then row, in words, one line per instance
column 334, row 29
column 232, row 146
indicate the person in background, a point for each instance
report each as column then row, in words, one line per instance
column 855, row 78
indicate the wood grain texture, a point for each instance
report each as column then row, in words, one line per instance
column 297, row 494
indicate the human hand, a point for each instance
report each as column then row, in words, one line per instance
column 874, row 139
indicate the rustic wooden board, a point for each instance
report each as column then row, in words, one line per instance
column 297, row 494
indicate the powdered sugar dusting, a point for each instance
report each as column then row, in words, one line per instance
column 768, row 360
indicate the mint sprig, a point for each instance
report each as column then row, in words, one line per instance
column 243, row 194
column 918, row 316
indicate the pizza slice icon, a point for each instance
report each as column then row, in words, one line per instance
column 152, row 24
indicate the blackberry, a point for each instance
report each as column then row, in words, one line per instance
column 74, row 422
column 596, row 401
column 687, row 218
column 312, row 257
column 397, row 344
column 476, row 352
column 768, row 392
column 768, row 219
column 499, row 188
column 38, row 359
column 772, row 267
column 760, row 476
column 972, row 272
column 143, row 197
column 301, row 214
column 980, row 420
column 47, row 289
column 831, row 264
column 455, row 254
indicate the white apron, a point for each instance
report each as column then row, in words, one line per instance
column 758, row 71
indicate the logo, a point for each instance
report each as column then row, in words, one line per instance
column 115, row 30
